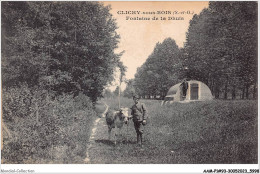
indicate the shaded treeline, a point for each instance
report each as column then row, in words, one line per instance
column 220, row 50
column 63, row 47
column 57, row 57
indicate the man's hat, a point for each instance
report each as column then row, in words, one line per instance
column 136, row 96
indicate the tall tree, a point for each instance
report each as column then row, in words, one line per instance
column 221, row 47
column 129, row 90
column 63, row 47
column 160, row 71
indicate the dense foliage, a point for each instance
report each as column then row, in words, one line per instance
column 64, row 47
column 221, row 48
column 45, row 128
column 160, row 71
column 57, row 57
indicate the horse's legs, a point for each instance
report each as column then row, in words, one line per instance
column 115, row 135
column 109, row 133
column 141, row 140
column 120, row 133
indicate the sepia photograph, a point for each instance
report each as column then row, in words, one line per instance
column 129, row 82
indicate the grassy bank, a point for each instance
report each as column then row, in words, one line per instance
column 45, row 129
column 210, row 132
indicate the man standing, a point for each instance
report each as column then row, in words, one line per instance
column 185, row 87
column 139, row 114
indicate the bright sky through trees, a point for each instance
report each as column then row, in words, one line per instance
column 139, row 37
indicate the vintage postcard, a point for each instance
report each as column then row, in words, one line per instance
column 129, row 83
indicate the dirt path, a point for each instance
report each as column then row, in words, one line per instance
column 99, row 122
column 102, row 151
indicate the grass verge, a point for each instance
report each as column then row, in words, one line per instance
column 209, row 132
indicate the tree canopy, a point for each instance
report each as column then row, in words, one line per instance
column 160, row 70
column 63, row 47
column 221, row 47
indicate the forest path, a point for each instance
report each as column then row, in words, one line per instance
column 101, row 150
column 96, row 131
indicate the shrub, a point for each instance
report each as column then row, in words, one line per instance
column 42, row 125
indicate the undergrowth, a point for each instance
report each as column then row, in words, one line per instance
column 45, row 129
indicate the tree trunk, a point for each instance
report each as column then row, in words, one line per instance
column 209, row 81
column 212, row 88
column 216, row 95
column 226, row 89
column 75, row 35
column 119, row 93
column 37, row 112
column 255, row 92
column 243, row 92
column 247, row 91
column 234, row 92
column 216, row 91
